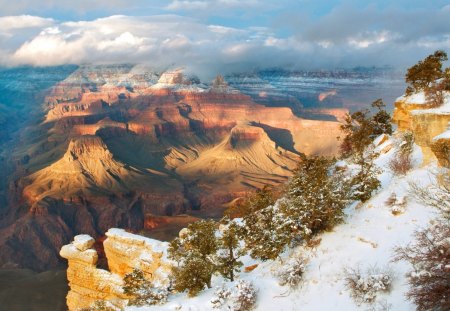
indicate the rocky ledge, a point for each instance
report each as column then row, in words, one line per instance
column 124, row 252
column 428, row 124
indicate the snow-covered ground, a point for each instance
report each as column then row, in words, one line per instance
column 366, row 239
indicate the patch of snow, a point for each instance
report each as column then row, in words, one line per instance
column 416, row 98
column 120, row 234
column 83, row 242
column 444, row 135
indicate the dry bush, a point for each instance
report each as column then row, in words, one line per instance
column 396, row 204
column 364, row 286
column 401, row 164
column 291, row 274
column 430, row 257
column 241, row 297
column 436, row 195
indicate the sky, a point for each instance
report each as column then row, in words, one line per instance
column 223, row 35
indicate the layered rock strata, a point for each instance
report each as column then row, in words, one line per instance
column 426, row 122
column 124, row 252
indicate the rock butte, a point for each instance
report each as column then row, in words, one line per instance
column 124, row 252
column 116, row 146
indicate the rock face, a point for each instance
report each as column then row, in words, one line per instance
column 119, row 143
column 124, row 251
column 424, row 121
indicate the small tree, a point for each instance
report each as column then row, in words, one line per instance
column 422, row 75
column 265, row 233
column 195, row 254
column 141, row 291
column 362, row 127
column 429, row 77
column 365, row 182
column 229, row 251
column 315, row 198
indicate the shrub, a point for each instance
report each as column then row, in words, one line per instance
column 397, row 205
column 429, row 256
column 400, row 165
column 315, row 198
column 141, row 291
column 362, row 127
column 266, row 233
column 195, row 254
column 365, row 182
column 241, row 297
column 291, row 274
column 436, row 195
column 220, row 298
column 402, row 161
column 364, row 287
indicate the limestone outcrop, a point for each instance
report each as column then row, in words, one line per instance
column 124, row 251
column 424, row 121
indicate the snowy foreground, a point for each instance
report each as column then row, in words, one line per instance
column 366, row 239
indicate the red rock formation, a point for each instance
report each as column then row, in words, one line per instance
column 108, row 154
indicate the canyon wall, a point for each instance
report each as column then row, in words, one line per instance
column 426, row 122
column 124, row 252
column 118, row 145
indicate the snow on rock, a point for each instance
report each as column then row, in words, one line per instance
column 124, row 252
column 417, row 98
column 87, row 283
column 83, row 242
column 444, row 135
column 415, row 115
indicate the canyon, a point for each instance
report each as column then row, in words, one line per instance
column 121, row 146
column 151, row 150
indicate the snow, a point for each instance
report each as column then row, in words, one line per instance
column 417, row 98
column 444, row 135
column 130, row 238
column 367, row 239
column 83, row 242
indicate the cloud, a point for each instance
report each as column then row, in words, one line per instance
column 23, row 21
column 346, row 35
column 211, row 4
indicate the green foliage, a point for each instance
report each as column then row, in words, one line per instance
column 365, row 182
column 229, row 251
column 195, row 254
column 422, row 75
column 315, row 199
column 141, row 291
column 258, row 200
column 193, row 275
column 429, row 76
column 265, row 233
column 362, row 127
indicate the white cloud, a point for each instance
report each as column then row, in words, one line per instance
column 165, row 40
column 23, row 21
column 192, row 5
